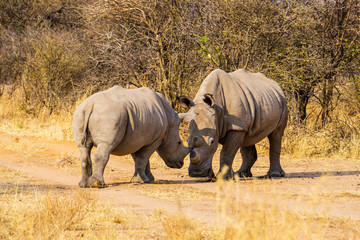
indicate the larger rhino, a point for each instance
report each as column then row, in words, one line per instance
column 237, row 110
column 126, row 121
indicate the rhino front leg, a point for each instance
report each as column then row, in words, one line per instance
column 142, row 165
column 101, row 158
column 140, row 175
column 249, row 157
column 86, row 166
column 232, row 143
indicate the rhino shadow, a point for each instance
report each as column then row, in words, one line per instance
column 318, row 174
column 10, row 188
column 162, row 182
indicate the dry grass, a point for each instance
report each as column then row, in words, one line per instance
column 15, row 121
column 184, row 228
column 23, row 145
column 12, row 175
column 304, row 142
column 43, row 215
column 182, row 192
column 339, row 139
column 34, row 213
column 355, row 194
column 63, row 215
column 65, row 159
column 248, row 216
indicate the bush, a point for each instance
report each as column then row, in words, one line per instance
column 55, row 70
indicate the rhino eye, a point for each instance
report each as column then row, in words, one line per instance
column 196, row 142
column 179, row 142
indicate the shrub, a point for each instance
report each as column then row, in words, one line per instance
column 56, row 67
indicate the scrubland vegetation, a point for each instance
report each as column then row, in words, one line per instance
column 53, row 54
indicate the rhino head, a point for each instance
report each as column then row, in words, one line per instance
column 172, row 150
column 203, row 138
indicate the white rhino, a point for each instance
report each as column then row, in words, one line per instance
column 237, row 110
column 126, row 121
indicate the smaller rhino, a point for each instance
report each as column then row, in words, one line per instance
column 126, row 121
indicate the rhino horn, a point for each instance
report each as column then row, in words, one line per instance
column 187, row 117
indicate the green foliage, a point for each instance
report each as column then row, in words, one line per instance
column 209, row 52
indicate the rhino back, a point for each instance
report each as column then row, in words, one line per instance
column 132, row 117
column 250, row 102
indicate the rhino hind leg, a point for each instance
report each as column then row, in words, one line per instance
column 86, row 165
column 275, row 169
column 249, row 157
column 100, row 160
column 148, row 172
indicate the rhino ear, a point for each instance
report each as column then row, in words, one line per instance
column 187, row 117
column 185, row 102
column 209, row 99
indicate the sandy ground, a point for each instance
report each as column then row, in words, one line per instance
column 329, row 186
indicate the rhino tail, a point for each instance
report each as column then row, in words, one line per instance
column 87, row 113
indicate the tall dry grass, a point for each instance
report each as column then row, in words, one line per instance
column 250, row 216
column 31, row 213
column 15, row 120
column 54, row 215
column 75, row 214
column 340, row 138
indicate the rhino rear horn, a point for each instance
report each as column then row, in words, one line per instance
column 187, row 117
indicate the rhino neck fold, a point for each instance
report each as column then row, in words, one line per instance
column 220, row 125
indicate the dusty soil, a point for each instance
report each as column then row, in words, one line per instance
column 327, row 185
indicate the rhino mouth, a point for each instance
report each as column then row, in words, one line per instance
column 178, row 164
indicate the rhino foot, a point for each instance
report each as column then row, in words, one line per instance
column 276, row 174
column 150, row 177
column 138, row 179
column 94, row 182
column 83, row 183
column 227, row 176
column 243, row 174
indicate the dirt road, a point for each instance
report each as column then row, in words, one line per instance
column 330, row 185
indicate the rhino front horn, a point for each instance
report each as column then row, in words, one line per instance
column 194, row 158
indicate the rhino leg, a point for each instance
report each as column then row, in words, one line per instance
column 232, row 143
column 148, row 172
column 140, row 172
column 101, row 158
column 142, row 165
column 249, row 157
column 274, row 154
column 86, row 166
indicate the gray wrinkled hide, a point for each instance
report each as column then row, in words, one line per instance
column 238, row 110
column 126, row 121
